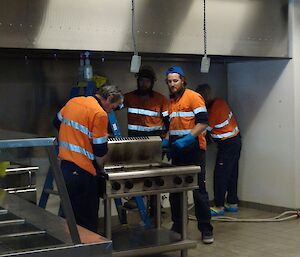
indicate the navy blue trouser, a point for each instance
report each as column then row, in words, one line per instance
column 226, row 171
column 83, row 190
column 192, row 156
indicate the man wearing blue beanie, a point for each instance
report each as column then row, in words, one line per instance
column 188, row 122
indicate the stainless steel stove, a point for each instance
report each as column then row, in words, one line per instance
column 134, row 168
column 148, row 179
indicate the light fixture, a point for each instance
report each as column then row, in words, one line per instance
column 135, row 59
column 205, row 62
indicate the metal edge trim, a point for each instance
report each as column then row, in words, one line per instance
column 181, row 245
column 154, row 173
column 166, row 190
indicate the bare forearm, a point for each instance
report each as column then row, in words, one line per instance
column 198, row 129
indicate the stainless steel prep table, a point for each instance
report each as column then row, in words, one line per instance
column 27, row 230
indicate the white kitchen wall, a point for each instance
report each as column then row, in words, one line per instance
column 265, row 96
column 261, row 96
column 295, row 49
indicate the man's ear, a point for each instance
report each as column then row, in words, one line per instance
column 109, row 98
column 105, row 96
column 183, row 81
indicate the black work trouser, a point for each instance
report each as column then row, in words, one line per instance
column 192, row 156
column 83, row 190
column 226, row 171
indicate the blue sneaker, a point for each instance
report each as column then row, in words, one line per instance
column 231, row 207
column 215, row 211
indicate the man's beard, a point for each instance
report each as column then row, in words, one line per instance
column 178, row 93
column 144, row 92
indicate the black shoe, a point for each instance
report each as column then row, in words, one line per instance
column 207, row 237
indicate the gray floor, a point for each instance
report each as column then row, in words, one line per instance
column 232, row 239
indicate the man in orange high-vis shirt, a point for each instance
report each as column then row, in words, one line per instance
column 224, row 130
column 147, row 113
column 188, row 121
column 82, row 125
column 147, row 109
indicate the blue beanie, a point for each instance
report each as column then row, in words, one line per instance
column 175, row 69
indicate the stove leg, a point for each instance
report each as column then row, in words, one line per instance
column 158, row 211
column 107, row 217
column 184, row 220
column 184, row 214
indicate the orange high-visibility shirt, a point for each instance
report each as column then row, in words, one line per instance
column 146, row 114
column 221, row 122
column 83, row 126
column 183, row 113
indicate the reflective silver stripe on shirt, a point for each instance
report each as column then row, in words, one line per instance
column 181, row 114
column 77, row 149
column 59, row 116
column 164, row 114
column 75, row 125
column 143, row 112
column 224, row 123
column 144, row 128
column 179, row 132
column 228, row 134
column 99, row 140
column 200, row 109
column 208, row 128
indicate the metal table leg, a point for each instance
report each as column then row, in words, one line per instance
column 62, row 189
column 107, row 217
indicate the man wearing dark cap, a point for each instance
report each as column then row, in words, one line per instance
column 147, row 113
column 188, row 122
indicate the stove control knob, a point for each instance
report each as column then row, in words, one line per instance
column 189, row 179
column 159, row 181
column 116, row 185
column 148, row 183
column 129, row 184
column 177, row 180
